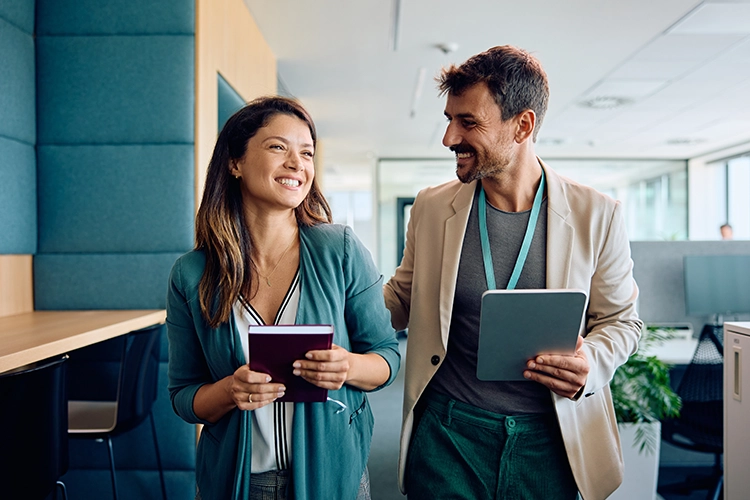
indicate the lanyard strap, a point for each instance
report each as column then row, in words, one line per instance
column 484, row 238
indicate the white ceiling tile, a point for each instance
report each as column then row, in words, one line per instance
column 684, row 94
column 739, row 52
column 653, row 70
column 728, row 72
column 723, row 127
column 716, row 18
column 632, row 89
column 672, row 47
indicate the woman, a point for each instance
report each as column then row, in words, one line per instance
column 267, row 253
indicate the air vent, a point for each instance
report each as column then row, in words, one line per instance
column 685, row 141
column 605, row 102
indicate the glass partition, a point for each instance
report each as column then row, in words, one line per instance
column 725, row 184
column 653, row 193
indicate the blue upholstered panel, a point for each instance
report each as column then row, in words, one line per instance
column 19, row 13
column 18, row 226
column 102, row 281
column 95, row 484
column 95, row 199
column 115, row 90
column 115, row 17
column 17, row 94
column 115, row 101
column 229, row 101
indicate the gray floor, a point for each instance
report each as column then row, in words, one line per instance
column 383, row 464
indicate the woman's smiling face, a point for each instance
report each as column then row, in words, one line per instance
column 277, row 169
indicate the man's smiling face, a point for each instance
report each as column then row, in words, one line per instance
column 483, row 142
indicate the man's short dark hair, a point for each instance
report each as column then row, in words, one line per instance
column 515, row 78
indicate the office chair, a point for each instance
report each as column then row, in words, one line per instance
column 700, row 426
column 33, row 430
column 136, row 393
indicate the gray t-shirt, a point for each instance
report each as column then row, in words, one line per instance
column 457, row 375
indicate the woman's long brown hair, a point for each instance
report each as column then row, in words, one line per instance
column 220, row 229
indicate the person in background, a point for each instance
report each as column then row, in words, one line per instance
column 726, row 232
column 554, row 434
column 267, row 253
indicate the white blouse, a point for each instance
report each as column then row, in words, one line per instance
column 272, row 424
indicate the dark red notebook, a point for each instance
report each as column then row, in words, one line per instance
column 273, row 349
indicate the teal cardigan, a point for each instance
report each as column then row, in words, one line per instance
column 340, row 285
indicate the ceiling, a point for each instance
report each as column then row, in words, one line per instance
column 365, row 69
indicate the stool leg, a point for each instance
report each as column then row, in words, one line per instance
column 158, row 457
column 112, row 467
column 62, row 488
column 716, row 493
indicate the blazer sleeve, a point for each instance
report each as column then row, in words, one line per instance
column 613, row 328
column 397, row 291
column 367, row 319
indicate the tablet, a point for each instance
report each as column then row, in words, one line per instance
column 516, row 325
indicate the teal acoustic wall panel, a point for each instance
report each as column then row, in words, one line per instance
column 75, row 281
column 18, row 223
column 118, row 199
column 19, row 13
column 18, row 228
column 115, row 176
column 115, row 101
column 230, row 101
column 115, row 17
column 116, row 89
column 17, row 93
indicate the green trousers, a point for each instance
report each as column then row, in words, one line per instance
column 459, row 451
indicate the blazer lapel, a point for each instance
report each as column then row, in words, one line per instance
column 455, row 228
column 560, row 234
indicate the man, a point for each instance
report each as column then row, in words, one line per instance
column 554, row 434
column 726, row 231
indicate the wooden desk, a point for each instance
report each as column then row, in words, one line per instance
column 29, row 337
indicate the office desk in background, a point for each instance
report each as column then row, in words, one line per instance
column 30, row 337
column 678, row 350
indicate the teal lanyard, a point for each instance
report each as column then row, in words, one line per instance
column 489, row 269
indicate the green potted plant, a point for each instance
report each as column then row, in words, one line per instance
column 642, row 397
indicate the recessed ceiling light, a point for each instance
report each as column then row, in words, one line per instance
column 684, row 141
column 605, row 102
column 447, row 48
column 553, row 141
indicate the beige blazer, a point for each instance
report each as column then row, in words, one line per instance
column 587, row 248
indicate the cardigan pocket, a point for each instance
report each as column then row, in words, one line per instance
column 359, row 410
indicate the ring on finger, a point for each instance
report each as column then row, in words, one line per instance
column 249, row 398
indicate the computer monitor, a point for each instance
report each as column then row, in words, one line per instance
column 717, row 284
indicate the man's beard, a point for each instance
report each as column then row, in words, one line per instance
column 484, row 165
